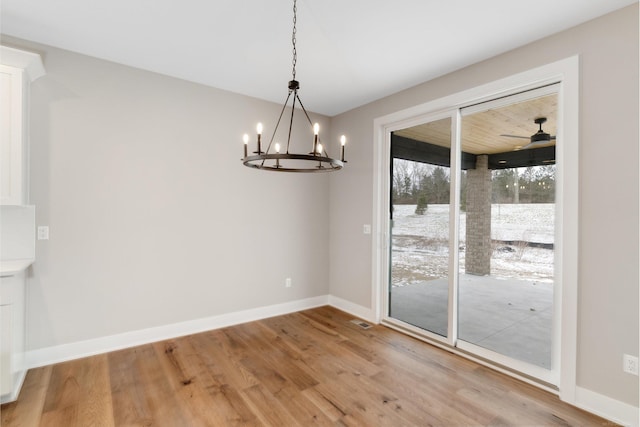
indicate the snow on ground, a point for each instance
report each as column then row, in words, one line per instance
column 420, row 243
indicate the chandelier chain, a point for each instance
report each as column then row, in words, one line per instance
column 293, row 39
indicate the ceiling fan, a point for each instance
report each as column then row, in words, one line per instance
column 538, row 138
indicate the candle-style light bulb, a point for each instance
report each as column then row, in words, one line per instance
column 259, row 129
column 278, row 152
column 343, row 141
column 245, row 139
column 316, row 129
column 320, row 154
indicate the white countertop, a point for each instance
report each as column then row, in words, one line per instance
column 13, row 266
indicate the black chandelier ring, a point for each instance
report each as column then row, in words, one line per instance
column 259, row 162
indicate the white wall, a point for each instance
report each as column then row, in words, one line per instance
column 608, row 221
column 153, row 219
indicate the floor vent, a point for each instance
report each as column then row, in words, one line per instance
column 363, row 325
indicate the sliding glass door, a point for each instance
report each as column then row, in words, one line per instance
column 472, row 230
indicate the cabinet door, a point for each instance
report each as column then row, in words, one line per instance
column 12, row 157
column 6, row 338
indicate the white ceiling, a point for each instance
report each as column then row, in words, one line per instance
column 350, row 52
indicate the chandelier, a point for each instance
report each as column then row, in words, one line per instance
column 282, row 158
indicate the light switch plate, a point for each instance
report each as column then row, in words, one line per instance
column 43, row 232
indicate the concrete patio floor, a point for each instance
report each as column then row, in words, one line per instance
column 509, row 316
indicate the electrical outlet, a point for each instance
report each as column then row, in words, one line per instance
column 287, row 282
column 630, row 364
column 366, row 228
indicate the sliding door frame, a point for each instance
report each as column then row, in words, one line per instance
column 566, row 74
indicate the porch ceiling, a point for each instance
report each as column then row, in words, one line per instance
column 481, row 132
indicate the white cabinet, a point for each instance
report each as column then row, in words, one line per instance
column 17, row 70
column 6, row 336
column 12, row 335
column 12, row 149
column 17, row 250
column 17, row 225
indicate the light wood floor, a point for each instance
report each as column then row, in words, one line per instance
column 307, row 368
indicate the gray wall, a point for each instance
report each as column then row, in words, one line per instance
column 153, row 219
column 608, row 258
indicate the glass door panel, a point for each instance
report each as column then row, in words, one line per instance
column 507, row 200
column 419, row 212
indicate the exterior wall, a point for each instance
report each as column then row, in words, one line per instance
column 478, row 239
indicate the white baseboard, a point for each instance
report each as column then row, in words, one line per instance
column 351, row 308
column 76, row 350
column 13, row 396
column 606, row 407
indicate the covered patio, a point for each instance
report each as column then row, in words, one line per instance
column 509, row 316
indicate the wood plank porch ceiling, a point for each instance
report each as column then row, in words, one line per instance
column 481, row 132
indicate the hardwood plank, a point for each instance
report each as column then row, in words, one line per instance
column 330, row 409
column 318, row 346
column 223, row 377
column 179, row 364
column 303, row 409
column 64, row 390
column 218, row 352
column 130, row 407
column 61, row 416
column 309, row 368
column 271, row 350
column 516, row 398
column 267, row 408
column 199, row 393
column 283, row 381
column 443, row 405
column 265, row 346
column 27, row 410
column 147, row 396
column 79, row 394
column 405, row 375
column 95, row 404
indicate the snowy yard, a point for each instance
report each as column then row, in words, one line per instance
column 420, row 243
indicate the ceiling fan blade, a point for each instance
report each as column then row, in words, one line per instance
column 552, row 137
column 516, row 136
column 535, row 144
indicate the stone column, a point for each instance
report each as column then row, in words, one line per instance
column 478, row 246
